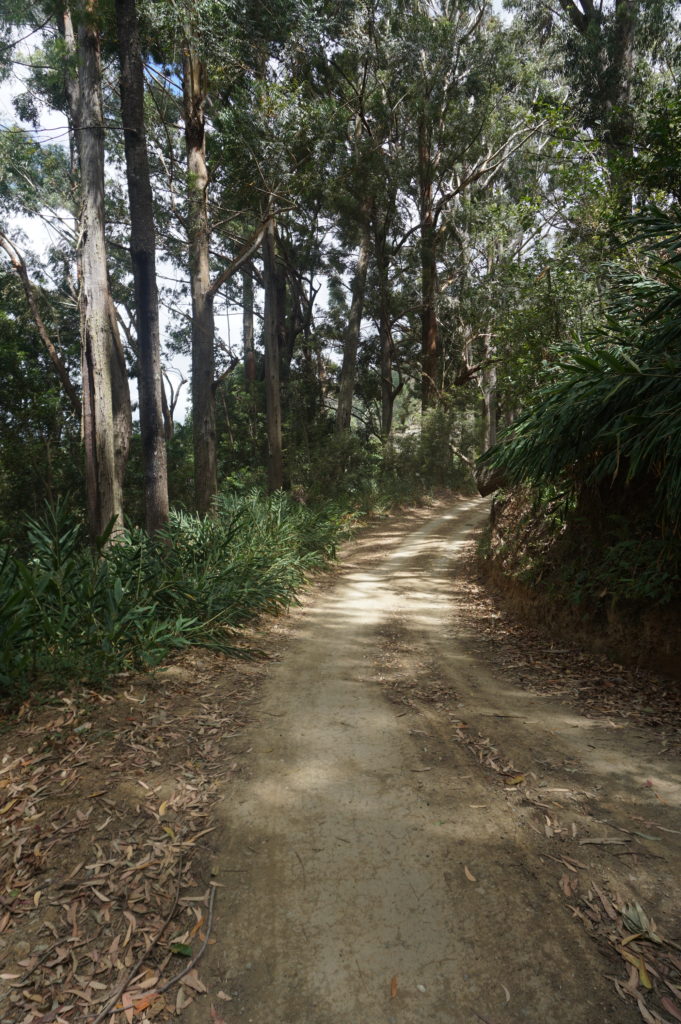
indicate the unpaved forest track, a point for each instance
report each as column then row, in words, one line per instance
column 373, row 867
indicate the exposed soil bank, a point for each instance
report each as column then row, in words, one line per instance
column 649, row 640
column 520, row 538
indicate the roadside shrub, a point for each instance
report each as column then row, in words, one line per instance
column 69, row 613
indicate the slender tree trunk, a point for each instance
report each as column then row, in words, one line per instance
column 203, row 322
column 167, row 416
column 91, row 486
column 352, row 335
column 107, row 421
column 249, row 334
column 275, row 455
column 430, row 347
column 489, row 393
column 620, row 121
column 143, row 253
column 120, row 402
column 384, row 332
column 286, row 328
column 250, row 369
column 387, row 392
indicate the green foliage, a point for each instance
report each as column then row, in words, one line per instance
column 369, row 473
column 643, row 570
column 586, row 556
column 39, row 444
column 69, row 614
column 610, row 417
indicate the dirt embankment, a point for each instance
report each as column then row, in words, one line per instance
column 643, row 636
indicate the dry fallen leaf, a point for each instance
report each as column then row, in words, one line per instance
column 393, row 986
column 469, row 874
column 128, row 1008
column 671, row 1007
column 148, row 982
column 192, row 979
column 145, row 1001
column 639, row 964
column 183, row 1000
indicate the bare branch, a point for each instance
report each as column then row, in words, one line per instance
column 19, row 265
column 246, row 253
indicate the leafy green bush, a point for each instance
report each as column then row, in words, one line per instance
column 370, row 474
column 606, row 430
column 611, row 417
column 70, row 613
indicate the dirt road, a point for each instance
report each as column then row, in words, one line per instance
column 412, row 828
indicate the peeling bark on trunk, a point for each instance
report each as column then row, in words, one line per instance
column 352, row 336
column 107, row 420
column 275, row 455
column 143, row 253
column 203, row 321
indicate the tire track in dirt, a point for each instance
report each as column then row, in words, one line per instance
column 365, row 848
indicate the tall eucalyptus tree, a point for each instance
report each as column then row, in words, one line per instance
column 143, row 253
column 107, row 417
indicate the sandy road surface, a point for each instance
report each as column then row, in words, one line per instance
column 372, row 871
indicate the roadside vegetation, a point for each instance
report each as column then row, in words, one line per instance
column 433, row 224
column 594, row 465
column 72, row 612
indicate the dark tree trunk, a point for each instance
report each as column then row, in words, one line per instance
column 120, row 399
column 275, row 454
column 143, row 253
column 489, row 394
column 351, row 342
column 249, row 344
column 388, row 393
column 430, row 348
column 203, row 322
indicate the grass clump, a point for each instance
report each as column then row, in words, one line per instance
column 70, row 613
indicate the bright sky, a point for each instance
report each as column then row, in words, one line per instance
column 37, row 235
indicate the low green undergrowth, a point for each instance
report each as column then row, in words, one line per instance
column 604, row 429
column 70, row 613
column 588, row 558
